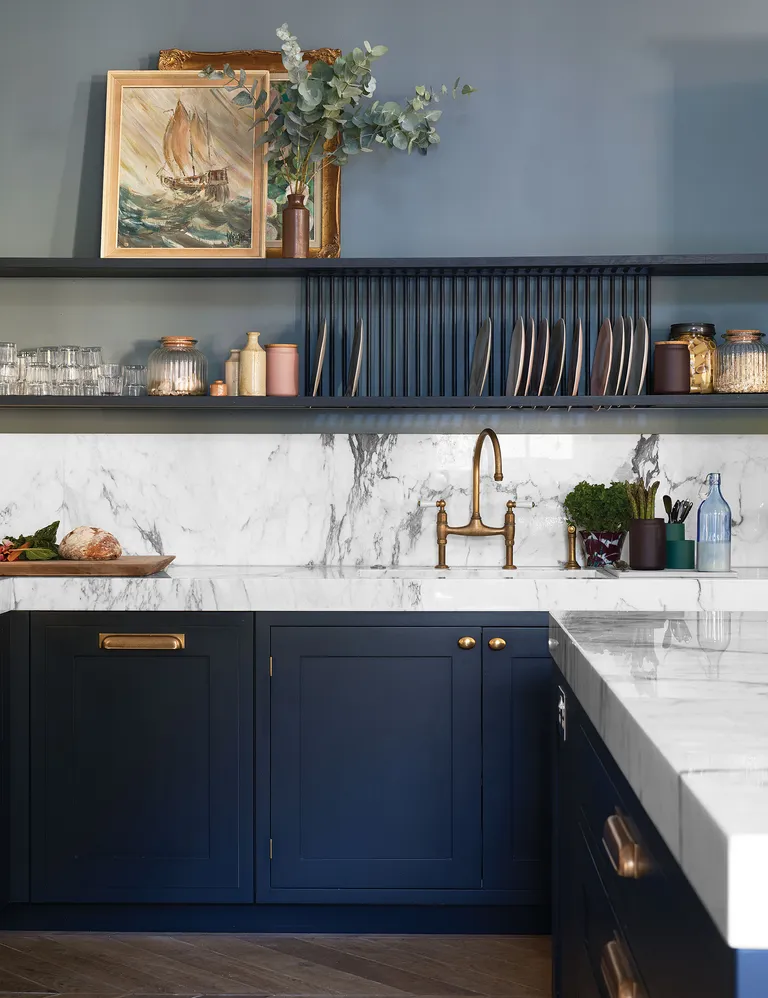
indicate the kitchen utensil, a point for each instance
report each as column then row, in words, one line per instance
column 556, row 361
column 639, row 359
column 530, row 347
column 317, row 367
column 615, row 378
column 629, row 342
column 601, row 364
column 481, row 358
column 687, row 507
column 540, row 357
column 575, row 360
column 667, row 500
column 516, row 366
column 355, row 361
column 127, row 565
column 675, row 511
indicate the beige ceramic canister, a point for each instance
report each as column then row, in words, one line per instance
column 282, row 369
column 253, row 367
column 232, row 372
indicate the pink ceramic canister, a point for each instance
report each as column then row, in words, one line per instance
column 282, row 369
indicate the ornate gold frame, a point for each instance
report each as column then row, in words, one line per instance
column 264, row 59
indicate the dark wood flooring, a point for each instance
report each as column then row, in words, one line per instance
column 96, row 965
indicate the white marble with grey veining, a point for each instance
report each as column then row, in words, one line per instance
column 206, row 587
column 681, row 701
column 337, row 499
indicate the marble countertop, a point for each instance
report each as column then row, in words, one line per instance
column 206, row 587
column 681, row 701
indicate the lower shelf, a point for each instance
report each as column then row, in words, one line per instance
column 377, row 403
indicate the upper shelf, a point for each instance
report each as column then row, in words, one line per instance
column 733, row 265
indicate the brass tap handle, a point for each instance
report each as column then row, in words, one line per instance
column 526, row 504
column 572, row 564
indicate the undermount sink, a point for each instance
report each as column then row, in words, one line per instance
column 475, row 573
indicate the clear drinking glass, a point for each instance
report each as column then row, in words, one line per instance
column 48, row 355
column 70, row 356
column 111, row 379
column 91, row 383
column 26, row 357
column 713, row 534
column 7, row 353
column 134, row 380
column 91, row 356
column 38, row 374
column 38, row 388
column 9, row 371
column 9, row 388
column 68, row 379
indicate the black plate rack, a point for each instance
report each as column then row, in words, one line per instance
column 420, row 322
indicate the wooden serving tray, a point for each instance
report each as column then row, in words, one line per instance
column 126, row 566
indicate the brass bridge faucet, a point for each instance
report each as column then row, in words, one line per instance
column 476, row 527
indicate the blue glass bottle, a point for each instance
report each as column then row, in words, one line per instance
column 713, row 548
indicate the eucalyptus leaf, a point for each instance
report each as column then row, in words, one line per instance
column 378, row 51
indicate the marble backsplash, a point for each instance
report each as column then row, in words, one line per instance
column 303, row 499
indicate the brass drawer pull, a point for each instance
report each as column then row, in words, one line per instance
column 141, row 642
column 626, row 856
column 617, row 972
column 466, row 643
column 497, row 644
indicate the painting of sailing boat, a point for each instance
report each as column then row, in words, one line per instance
column 182, row 174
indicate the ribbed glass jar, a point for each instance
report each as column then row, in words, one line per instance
column 741, row 363
column 700, row 337
column 177, row 368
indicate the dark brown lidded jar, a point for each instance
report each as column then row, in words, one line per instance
column 671, row 368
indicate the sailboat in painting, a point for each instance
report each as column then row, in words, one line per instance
column 188, row 157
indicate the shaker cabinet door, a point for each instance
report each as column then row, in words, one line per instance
column 141, row 757
column 375, row 762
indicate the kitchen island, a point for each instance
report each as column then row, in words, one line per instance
column 662, row 801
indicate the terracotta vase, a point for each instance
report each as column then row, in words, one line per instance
column 602, row 547
column 295, row 227
column 648, row 545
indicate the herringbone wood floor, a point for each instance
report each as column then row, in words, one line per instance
column 95, row 965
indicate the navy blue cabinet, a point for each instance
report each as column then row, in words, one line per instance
column 141, row 758
column 516, row 761
column 375, row 762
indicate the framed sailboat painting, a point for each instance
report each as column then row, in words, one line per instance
column 183, row 175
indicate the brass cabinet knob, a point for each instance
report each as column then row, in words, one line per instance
column 497, row 644
column 466, row 643
column 626, row 855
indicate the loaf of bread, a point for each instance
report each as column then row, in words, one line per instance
column 89, row 543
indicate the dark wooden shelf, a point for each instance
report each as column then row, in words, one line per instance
column 752, row 264
column 207, row 403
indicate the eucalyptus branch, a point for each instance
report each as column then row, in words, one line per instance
column 333, row 104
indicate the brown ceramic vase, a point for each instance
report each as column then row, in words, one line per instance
column 295, row 227
column 648, row 545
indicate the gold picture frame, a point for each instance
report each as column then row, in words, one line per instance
column 172, row 165
column 327, row 240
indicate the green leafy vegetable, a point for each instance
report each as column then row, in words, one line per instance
column 598, row 507
column 42, row 544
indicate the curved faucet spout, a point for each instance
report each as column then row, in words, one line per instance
column 497, row 475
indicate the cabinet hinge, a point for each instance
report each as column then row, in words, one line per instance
column 270, row 665
column 270, row 849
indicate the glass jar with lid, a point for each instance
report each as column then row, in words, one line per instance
column 700, row 337
column 741, row 364
column 177, row 368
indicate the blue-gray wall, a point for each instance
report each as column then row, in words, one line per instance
column 600, row 126
column 630, row 126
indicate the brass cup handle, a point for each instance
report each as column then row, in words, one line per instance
column 626, row 855
column 497, row 644
column 617, row 972
column 141, row 642
column 466, row 643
